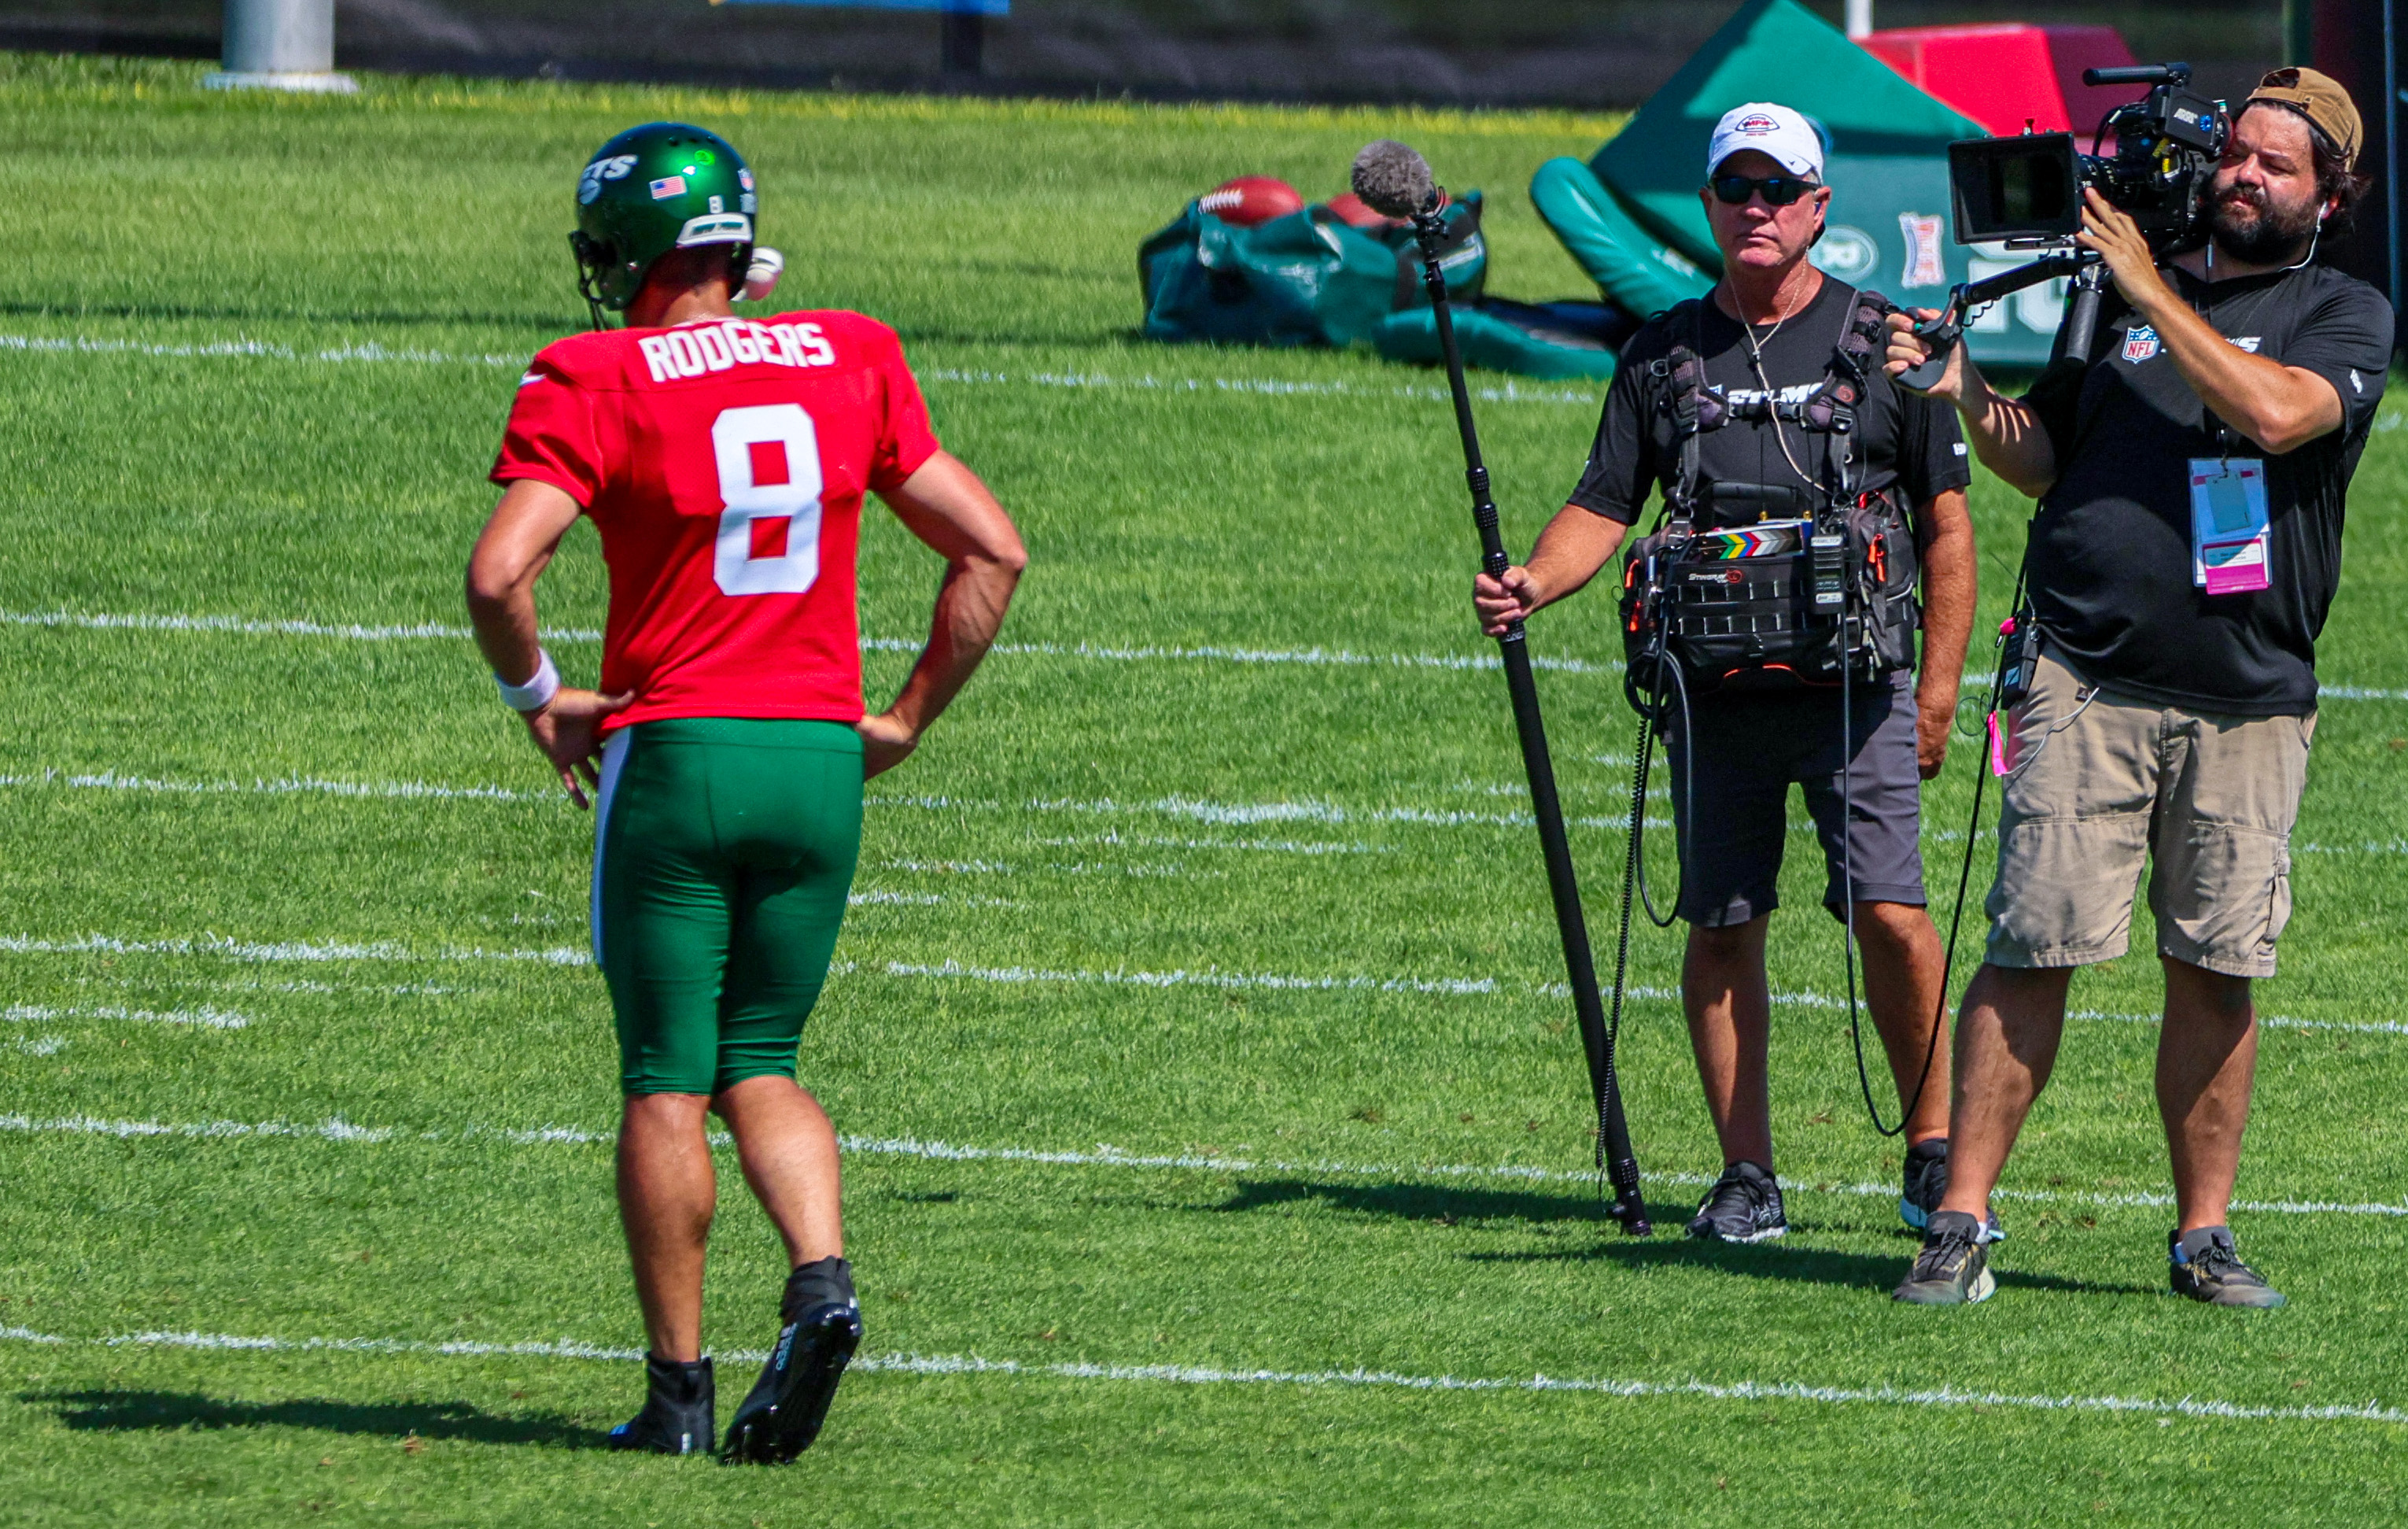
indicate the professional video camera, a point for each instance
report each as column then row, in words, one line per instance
column 2026, row 191
column 2028, row 187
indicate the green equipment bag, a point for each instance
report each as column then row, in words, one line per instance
column 1306, row 279
column 1555, row 341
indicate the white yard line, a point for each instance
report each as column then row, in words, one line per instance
column 339, row 1129
column 1313, row 657
column 1207, row 976
column 1198, row 1374
column 372, row 353
column 204, row 1017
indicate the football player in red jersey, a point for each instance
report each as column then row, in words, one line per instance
column 725, row 461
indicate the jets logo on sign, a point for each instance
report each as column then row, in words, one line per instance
column 2140, row 343
column 590, row 185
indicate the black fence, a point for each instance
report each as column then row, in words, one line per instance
column 1587, row 53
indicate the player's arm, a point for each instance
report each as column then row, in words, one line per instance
column 945, row 505
column 511, row 553
column 1575, row 544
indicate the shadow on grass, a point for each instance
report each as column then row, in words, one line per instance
column 1417, row 1201
column 1784, row 1260
column 1787, row 1261
column 119, row 1411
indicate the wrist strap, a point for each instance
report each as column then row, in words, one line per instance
column 537, row 692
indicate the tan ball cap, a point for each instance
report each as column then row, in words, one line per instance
column 2322, row 101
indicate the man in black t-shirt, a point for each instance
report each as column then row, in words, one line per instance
column 2187, row 549
column 1768, row 330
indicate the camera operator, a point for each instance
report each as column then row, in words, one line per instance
column 2170, row 710
column 1768, row 334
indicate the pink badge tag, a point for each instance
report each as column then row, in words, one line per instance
column 2000, row 737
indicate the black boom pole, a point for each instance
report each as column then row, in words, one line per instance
column 1613, row 1155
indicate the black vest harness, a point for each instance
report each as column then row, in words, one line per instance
column 1771, row 586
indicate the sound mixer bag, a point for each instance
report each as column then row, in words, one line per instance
column 1305, row 279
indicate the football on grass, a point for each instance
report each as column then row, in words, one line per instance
column 1251, row 199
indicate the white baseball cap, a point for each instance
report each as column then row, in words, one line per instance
column 1775, row 130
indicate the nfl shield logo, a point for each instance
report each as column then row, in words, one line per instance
column 2140, row 343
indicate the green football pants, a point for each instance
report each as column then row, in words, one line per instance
column 721, row 861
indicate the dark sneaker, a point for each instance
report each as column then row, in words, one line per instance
column 2206, row 1268
column 1954, row 1267
column 1925, row 1184
column 821, row 1327
column 1745, row 1205
column 681, row 1412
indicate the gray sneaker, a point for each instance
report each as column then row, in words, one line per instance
column 2206, row 1268
column 1954, row 1267
column 1745, row 1205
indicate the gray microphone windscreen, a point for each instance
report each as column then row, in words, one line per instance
column 1393, row 180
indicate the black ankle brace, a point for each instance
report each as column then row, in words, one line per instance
column 822, row 1280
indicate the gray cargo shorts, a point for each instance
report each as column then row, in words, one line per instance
column 1751, row 749
column 2098, row 783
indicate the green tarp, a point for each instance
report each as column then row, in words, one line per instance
column 1887, row 168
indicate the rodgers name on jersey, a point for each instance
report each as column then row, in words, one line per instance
column 694, row 350
column 725, row 462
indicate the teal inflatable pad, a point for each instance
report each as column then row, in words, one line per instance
column 1636, row 271
column 1306, row 279
column 1550, row 340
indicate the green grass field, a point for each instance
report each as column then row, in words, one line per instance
column 1210, row 1096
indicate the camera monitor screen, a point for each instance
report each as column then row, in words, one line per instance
column 2028, row 186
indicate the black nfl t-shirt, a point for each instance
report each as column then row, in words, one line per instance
column 1901, row 441
column 2109, row 565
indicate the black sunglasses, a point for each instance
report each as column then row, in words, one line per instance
column 1778, row 189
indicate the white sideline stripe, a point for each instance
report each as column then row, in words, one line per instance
column 110, row 779
column 212, row 945
column 371, row 352
column 1198, row 1375
column 1221, row 814
column 1206, row 978
column 339, row 1129
column 213, row 1019
column 1307, row 658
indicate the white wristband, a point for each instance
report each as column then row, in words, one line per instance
column 537, row 692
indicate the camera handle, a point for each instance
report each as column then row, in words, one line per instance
column 1943, row 332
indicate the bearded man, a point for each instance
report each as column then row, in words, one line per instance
column 2191, row 479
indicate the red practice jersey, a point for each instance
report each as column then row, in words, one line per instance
column 724, row 462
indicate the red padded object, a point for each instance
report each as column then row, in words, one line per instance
column 1348, row 208
column 1250, row 199
column 2002, row 74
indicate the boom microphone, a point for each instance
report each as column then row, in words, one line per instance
column 1395, row 181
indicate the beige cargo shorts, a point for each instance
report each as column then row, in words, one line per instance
column 2097, row 782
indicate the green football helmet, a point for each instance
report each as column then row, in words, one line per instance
column 653, row 189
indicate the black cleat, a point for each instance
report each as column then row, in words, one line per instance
column 821, row 1327
column 2206, row 1268
column 680, row 1411
column 1745, row 1205
column 1954, row 1267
